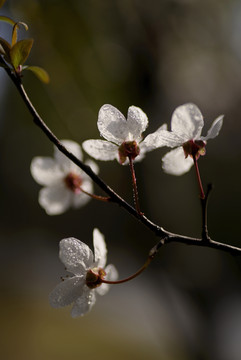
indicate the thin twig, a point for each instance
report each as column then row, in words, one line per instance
column 135, row 191
column 166, row 236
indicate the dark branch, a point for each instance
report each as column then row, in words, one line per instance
column 166, row 237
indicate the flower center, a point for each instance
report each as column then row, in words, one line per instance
column 194, row 148
column 128, row 149
column 73, row 182
column 94, row 277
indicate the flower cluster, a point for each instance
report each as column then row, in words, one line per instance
column 89, row 271
column 65, row 185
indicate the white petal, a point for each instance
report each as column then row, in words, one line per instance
column 187, row 122
column 137, row 123
column 175, row 163
column 162, row 137
column 111, row 275
column 67, row 292
column 55, row 199
column 75, row 255
column 84, row 303
column 80, row 199
column 112, row 124
column 45, row 170
column 101, row 149
column 214, row 130
column 100, row 250
column 65, row 163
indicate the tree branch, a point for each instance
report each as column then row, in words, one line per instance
column 166, row 236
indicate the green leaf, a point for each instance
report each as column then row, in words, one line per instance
column 7, row 20
column 1, row 3
column 5, row 48
column 39, row 72
column 15, row 29
column 20, row 52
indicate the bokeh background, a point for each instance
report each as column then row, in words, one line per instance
column 156, row 55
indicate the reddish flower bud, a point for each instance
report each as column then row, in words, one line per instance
column 128, row 149
column 73, row 182
column 94, row 277
column 194, row 148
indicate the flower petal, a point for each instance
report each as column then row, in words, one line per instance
column 187, row 122
column 112, row 124
column 161, row 137
column 101, row 149
column 84, row 303
column 75, row 255
column 55, row 199
column 175, row 163
column 45, row 170
column 111, row 275
column 214, row 129
column 65, row 163
column 100, row 249
column 67, row 292
column 80, row 199
column 137, row 123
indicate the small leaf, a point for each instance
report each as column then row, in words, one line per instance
column 15, row 29
column 20, row 52
column 39, row 72
column 5, row 48
column 1, row 3
column 7, row 20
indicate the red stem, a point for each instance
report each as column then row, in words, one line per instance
column 132, row 276
column 202, row 194
column 96, row 197
column 135, row 191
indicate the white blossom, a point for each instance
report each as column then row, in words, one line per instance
column 123, row 136
column 185, row 135
column 88, row 269
column 62, row 180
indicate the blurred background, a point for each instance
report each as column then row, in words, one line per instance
column 156, row 55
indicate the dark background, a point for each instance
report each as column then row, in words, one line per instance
column 156, row 55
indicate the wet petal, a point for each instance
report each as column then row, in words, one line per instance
column 100, row 250
column 162, row 137
column 55, row 199
column 84, row 303
column 75, row 255
column 175, row 163
column 111, row 275
column 67, row 292
column 100, row 149
column 65, row 163
column 45, row 170
column 214, row 130
column 137, row 123
column 187, row 122
column 112, row 124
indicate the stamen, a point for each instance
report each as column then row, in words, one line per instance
column 128, row 149
column 73, row 182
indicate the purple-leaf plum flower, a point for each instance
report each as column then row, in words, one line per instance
column 123, row 136
column 185, row 135
column 89, row 270
column 63, row 181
